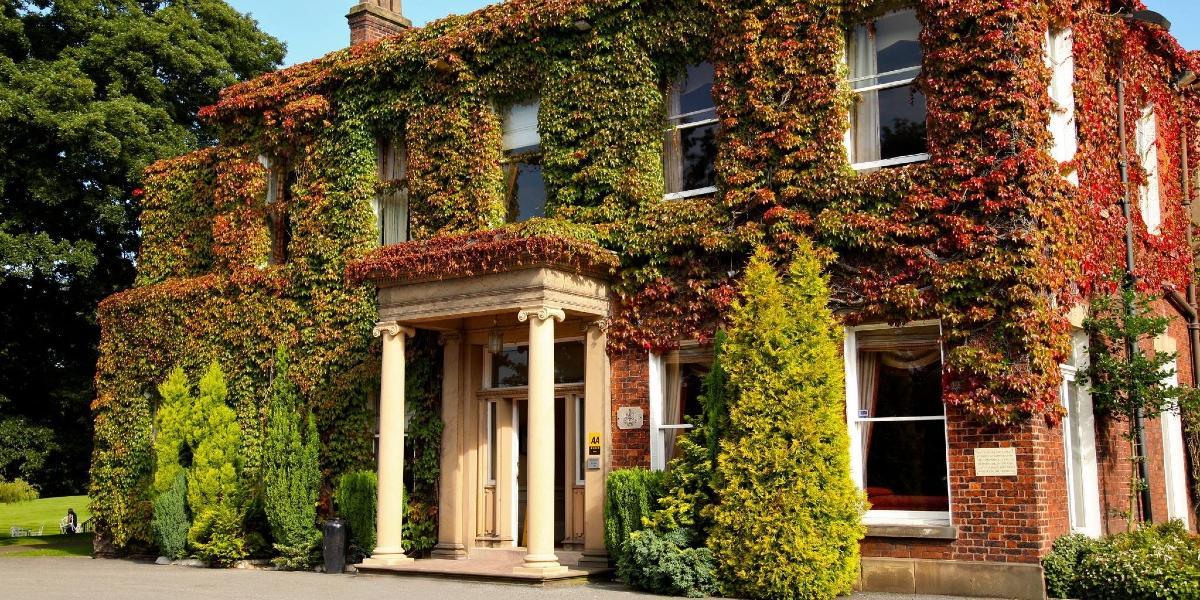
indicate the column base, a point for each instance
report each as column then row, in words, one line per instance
column 449, row 551
column 541, row 571
column 386, row 560
column 597, row 558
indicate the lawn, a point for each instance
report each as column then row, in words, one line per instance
column 45, row 512
column 46, row 545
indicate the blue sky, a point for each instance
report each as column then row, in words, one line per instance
column 312, row 28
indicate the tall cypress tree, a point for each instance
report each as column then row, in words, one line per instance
column 291, row 471
column 788, row 518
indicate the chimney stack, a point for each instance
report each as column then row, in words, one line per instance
column 374, row 19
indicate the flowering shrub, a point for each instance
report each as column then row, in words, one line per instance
column 1162, row 561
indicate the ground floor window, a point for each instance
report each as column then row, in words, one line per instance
column 676, row 382
column 897, row 421
column 1079, row 444
column 1175, row 459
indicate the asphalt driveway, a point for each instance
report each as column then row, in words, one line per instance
column 85, row 578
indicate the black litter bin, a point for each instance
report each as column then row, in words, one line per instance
column 335, row 546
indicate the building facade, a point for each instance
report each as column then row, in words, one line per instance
column 553, row 199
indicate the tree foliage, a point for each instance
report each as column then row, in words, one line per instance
column 356, row 503
column 291, row 470
column 91, row 92
column 26, row 446
column 787, row 523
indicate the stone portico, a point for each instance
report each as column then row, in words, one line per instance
column 515, row 478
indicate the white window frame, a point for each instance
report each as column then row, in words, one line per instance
column 657, row 379
column 1175, row 458
column 858, row 461
column 1060, row 58
column 392, row 159
column 1149, row 198
column 676, row 126
column 1084, row 421
column 849, row 136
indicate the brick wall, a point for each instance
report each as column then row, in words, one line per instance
column 999, row 519
column 630, row 387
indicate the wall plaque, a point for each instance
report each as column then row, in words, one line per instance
column 629, row 417
column 995, row 462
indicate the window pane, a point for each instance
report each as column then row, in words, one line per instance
column 1078, row 507
column 901, row 122
column 510, row 368
column 529, row 192
column 693, row 151
column 521, row 126
column 581, row 443
column 901, row 383
column 896, row 41
column 906, row 465
column 695, row 90
column 493, row 441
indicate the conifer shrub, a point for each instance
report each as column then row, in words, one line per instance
column 788, row 520
column 356, row 503
column 631, row 496
column 669, row 563
column 17, row 490
column 291, row 471
column 170, row 523
column 199, row 439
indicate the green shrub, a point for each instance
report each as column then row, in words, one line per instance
column 356, row 502
column 788, row 521
column 206, row 428
column 1161, row 561
column 631, row 496
column 170, row 523
column 291, row 471
column 668, row 563
column 17, row 490
column 1061, row 565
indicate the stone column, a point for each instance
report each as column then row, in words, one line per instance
column 595, row 419
column 450, row 515
column 539, row 508
column 389, row 519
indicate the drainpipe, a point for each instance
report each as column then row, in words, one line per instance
column 1193, row 314
column 1130, row 283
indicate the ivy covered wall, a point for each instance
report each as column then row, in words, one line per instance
column 987, row 236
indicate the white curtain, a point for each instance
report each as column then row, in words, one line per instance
column 865, row 127
column 521, row 126
column 868, row 395
column 672, row 387
column 391, row 206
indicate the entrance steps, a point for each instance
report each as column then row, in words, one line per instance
column 493, row 564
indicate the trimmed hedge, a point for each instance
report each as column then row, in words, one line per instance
column 631, row 497
column 1161, row 561
column 356, row 503
column 668, row 563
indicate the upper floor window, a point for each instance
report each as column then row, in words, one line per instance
column 690, row 151
column 1147, row 149
column 391, row 202
column 1060, row 58
column 887, row 125
column 525, row 187
column 280, row 180
column 898, row 422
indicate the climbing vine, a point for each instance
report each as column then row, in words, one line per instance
column 988, row 236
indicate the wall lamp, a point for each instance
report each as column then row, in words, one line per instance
column 1149, row 17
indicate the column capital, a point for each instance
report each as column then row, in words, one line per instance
column 392, row 328
column 543, row 313
column 597, row 324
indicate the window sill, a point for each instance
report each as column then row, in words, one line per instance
column 910, row 531
column 690, row 193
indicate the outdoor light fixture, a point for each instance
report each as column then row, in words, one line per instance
column 1185, row 79
column 582, row 25
column 496, row 339
column 1150, row 18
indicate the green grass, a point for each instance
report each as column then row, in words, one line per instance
column 47, row 545
column 43, row 512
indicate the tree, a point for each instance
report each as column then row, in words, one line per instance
column 25, row 449
column 291, row 470
column 788, row 518
column 91, row 92
column 1130, row 385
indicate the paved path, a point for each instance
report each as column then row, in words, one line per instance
column 84, row 578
